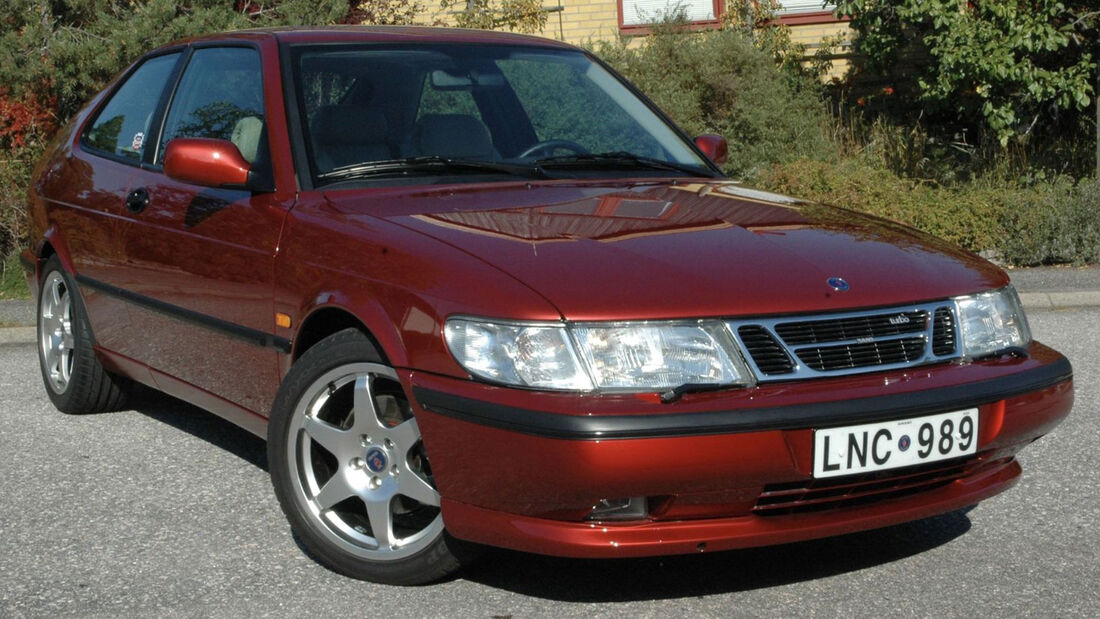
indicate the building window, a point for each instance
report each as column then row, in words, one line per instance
column 796, row 7
column 636, row 13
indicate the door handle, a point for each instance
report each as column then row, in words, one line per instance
column 137, row 200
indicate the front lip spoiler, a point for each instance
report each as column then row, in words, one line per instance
column 824, row 414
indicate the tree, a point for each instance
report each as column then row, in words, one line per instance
column 1004, row 66
column 518, row 15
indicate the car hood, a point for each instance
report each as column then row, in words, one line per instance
column 673, row 249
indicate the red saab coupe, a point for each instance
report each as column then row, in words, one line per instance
column 475, row 289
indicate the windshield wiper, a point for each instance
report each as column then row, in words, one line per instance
column 621, row 159
column 670, row 396
column 429, row 163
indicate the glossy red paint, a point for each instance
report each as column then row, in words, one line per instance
column 400, row 260
column 713, row 146
column 206, row 161
column 641, row 245
column 592, row 540
column 583, row 472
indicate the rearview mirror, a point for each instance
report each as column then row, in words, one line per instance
column 713, row 146
column 441, row 79
column 210, row 163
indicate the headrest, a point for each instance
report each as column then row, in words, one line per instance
column 348, row 124
column 453, row 135
column 246, row 135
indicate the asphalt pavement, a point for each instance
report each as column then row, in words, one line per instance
column 166, row 510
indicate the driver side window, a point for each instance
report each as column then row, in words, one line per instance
column 220, row 96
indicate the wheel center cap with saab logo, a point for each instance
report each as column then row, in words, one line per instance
column 838, row 284
column 376, row 459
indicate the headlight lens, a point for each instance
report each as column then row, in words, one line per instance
column 641, row 357
column 606, row 356
column 991, row 322
column 536, row 356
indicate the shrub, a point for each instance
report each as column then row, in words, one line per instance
column 1055, row 222
column 1050, row 221
column 14, row 177
column 719, row 82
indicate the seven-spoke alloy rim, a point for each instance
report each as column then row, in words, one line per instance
column 55, row 332
column 357, row 465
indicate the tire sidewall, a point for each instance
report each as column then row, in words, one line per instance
column 82, row 349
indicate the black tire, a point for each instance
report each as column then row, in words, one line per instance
column 314, row 436
column 74, row 378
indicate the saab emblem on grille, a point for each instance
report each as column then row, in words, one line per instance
column 900, row 319
column 838, row 284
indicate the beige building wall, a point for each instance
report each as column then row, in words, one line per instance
column 580, row 21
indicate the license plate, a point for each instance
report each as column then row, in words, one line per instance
column 895, row 444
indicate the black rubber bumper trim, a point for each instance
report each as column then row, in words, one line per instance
column 825, row 414
column 229, row 329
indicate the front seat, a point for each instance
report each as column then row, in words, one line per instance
column 458, row 136
column 348, row 134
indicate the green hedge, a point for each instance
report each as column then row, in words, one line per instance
column 1047, row 222
column 719, row 82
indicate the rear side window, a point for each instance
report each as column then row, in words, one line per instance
column 219, row 96
column 122, row 125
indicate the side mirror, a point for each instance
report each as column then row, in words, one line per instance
column 208, row 162
column 713, row 146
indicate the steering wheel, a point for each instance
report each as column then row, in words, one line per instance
column 547, row 148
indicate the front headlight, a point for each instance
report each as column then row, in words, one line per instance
column 631, row 356
column 991, row 322
column 526, row 355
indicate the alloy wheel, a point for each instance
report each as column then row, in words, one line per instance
column 358, row 466
column 55, row 332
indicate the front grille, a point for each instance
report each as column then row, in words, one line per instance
column 834, row 493
column 769, row 355
column 943, row 332
column 889, row 352
column 852, row 328
column 848, row 343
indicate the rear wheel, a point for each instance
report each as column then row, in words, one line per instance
column 75, row 380
column 350, row 470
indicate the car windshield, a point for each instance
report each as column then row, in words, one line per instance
column 388, row 114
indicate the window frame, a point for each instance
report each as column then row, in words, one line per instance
column 158, row 109
column 800, row 18
column 162, row 116
column 719, row 8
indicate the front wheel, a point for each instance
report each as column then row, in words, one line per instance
column 350, row 470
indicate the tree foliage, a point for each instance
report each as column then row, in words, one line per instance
column 517, row 15
column 721, row 82
column 1005, row 66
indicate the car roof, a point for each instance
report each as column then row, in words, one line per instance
column 376, row 34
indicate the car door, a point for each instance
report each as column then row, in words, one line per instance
column 87, row 185
column 198, row 261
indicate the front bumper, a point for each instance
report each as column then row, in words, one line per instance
column 523, row 469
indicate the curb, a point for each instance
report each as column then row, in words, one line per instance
column 11, row 336
column 1059, row 300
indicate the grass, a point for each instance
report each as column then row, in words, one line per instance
column 13, row 284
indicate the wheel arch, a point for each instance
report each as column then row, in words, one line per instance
column 325, row 321
column 53, row 244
